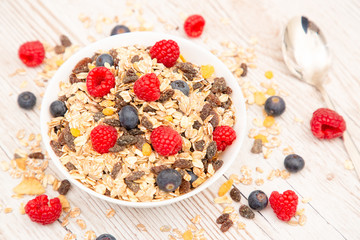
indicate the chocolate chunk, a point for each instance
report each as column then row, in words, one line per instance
column 146, row 123
column 196, row 125
column 135, row 131
column 37, row 155
column 245, row 69
column 135, row 187
column 125, row 140
column 215, row 119
column 135, row 175
column 222, row 218
column 205, row 111
column 226, row 225
column 64, row 187
column 235, row 194
column 166, row 95
column 135, row 58
column 213, row 100
column 211, row 150
column 226, row 104
column 73, row 79
column 257, row 147
column 217, row 164
column 219, row 85
column 130, row 76
column 182, row 163
column 199, row 145
column 97, row 116
column 116, row 169
column 82, row 66
column 59, row 49
column 147, row 108
column 157, row 169
column 112, row 122
column 246, row 212
column 197, row 85
column 116, row 148
column 188, row 70
column 140, row 140
column 56, row 147
column 69, row 166
column 65, row 41
column 69, row 138
column 184, row 187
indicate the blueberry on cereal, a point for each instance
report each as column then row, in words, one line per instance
column 181, row 85
column 128, row 117
column 58, row 108
column 168, row 180
column 104, row 58
column 193, row 176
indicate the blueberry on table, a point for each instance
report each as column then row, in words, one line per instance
column 275, row 106
column 26, row 100
column 168, row 180
column 258, row 200
column 128, row 117
column 58, row 108
column 294, row 163
column 103, row 58
column 181, row 85
column 106, row 236
column 193, row 176
column 118, row 29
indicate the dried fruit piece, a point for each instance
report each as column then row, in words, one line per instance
column 182, row 163
column 222, row 218
column 69, row 166
column 211, row 150
column 135, row 187
column 157, row 169
column 116, row 169
column 257, row 147
column 269, row 74
column 246, row 212
column 225, row 187
column 82, row 66
column 65, row 41
column 226, row 225
column 235, row 194
column 269, row 121
column 184, row 187
column 146, row 149
column 187, row 235
column 205, row 111
column 165, row 96
column 199, row 145
column 262, row 137
column 207, row 71
column 56, row 147
column 245, row 68
column 126, row 140
column 130, row 76
column 188, row 70
column 36, row 155
column 75, row 132
column 30, row 186
column 146, row 123
column 217, row 164
column 135, row 175
column 64, row 187
column 112, row 122
column 108, row 111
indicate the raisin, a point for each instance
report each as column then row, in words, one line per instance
column 246, row 212
column 97, row 116
column 213, row 100
column 222, row 218
column 156, row 169
column 62, row 98
column 69, row 166
column 125, row 140
column 59, row 49
column 73, row 79
column 116, row 148
column 65, row 41
column 135, row 175
column 199, row 145
column 69, row 138
column 206, row 164
column 205, row 111
column 37, row 155
column 146, row 123
column 56, row 147
column 140, row 140
column 217, row 164
column 82, row 66
column 228, row 90
column 112, row 122
column 113, row 53
column 135, row 187
column 107, row 192
column 184, row 187
column 235, row 194
column 188, row 70
column 215, row 119
column 147, row 108
column 95, row 56
column 245, row 69
column 226, row 104
column 211, row 150
column 182, row 163
column 64, row 187
column 196, row 125
column 116, row 169
column 135, row 131
column 166, row 95
column 226, row 225
column 135, row 58
column 197, row 85
column 257, row 147
column 130, row 76
column 119, row 101
column 219, row 85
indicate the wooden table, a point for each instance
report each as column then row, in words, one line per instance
column 333, row 211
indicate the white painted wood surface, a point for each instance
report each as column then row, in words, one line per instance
column 333, row 212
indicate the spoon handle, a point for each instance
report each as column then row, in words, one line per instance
column 349, row 144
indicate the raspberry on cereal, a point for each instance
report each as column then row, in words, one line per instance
column 99, row 81
column 147, row 87
column 166, row 52
column 166, row 141
column 103, row 138
column 223, row 136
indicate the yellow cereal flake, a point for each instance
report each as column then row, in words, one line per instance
column 75, row 132
column 182, row 58
column 169, row 118
column 108, row 111
column 225, row 187
column 207, row 71
column 188, row 235
column 146, row 149
column 260, row 98
column 262, row 137
column 59, row 62
column 269, row 121
column 270, row 91
column 269, row 74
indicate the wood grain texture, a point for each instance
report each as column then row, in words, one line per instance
column 332, row 213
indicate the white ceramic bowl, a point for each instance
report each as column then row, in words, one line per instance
column 192, row 53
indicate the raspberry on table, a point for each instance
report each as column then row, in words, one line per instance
column 166, row 141
column 194, row 26
column 166, row 52
column 327, row 124
column 39, row 210
column 32, row 54
column 99, row 81
column 103, row 138
column 223, row 136
column 147, row 87
column 284, row 205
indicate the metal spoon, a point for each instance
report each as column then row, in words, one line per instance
column 308, row 57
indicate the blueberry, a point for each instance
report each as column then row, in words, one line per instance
column 258, row 200
column 181, row 85
column 119, row 29
column 58, row 108
column 106, row 236
column 103, row 58
column 26, row 100
column 294, row 163
column 128, row 117
column 168, row 180
column 193, row 176
column 274, row 106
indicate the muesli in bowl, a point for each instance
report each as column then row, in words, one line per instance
column 141, row 124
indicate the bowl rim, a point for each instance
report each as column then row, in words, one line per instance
column 118, row 41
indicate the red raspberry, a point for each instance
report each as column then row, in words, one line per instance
column 327, row 124
column 32, row 54
column 99, row 81
column 40, row 211
column 166, row 141
column 194, row 25
column 103, row 138
column 147, row 87
column 166, row 52
column 223, row 136
column 284, row 205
